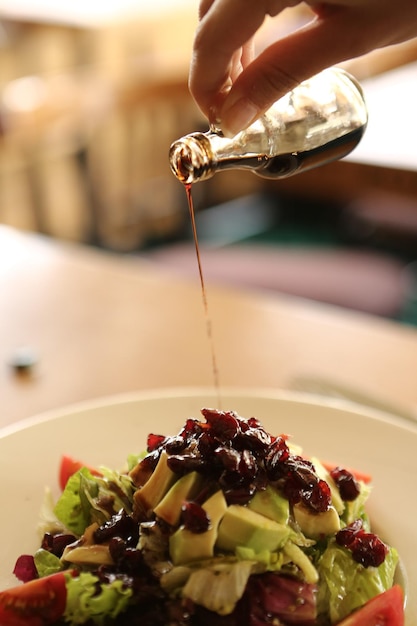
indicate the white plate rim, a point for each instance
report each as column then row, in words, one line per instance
column 271, row 393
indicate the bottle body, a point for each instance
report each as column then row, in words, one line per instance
column 321, row 120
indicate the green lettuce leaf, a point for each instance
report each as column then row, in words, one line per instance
column 133, row 459
column 346, row 585
column 88, row 600
column 70, row 508
column 218, row 587
column 87, row 499
column 47, row 563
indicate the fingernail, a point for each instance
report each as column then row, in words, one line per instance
column 238, row 116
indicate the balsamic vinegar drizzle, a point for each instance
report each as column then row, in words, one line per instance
column 209, row 326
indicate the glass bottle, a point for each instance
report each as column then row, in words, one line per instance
column 321, row 120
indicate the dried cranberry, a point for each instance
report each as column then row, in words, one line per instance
column 121, row 525
column 117, row 548
column 302, row 470
column 176, row 444
column 229, row 458
column 261, row 479
column 367, row 548
column 319, row 497
column 155, row 441
column 348, row 487
column 194, row 517
column 222, row 423
column 239, row 495
column 248, row 466
column 300, row 482
column 241, row 457
column 207, row 444
column 255, row 439
column 230, row 480
column 253, row 422
column 185, row 463
column 57, row 543
column 346, row 536
column 278, row 453
column 129, row 559
column 192, row 427
column 150, row 461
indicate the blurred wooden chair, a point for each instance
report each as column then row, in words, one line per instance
column 85, row 136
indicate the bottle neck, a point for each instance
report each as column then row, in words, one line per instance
column 191, row 158
column 198, row 156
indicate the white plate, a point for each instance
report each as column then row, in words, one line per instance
column 105, row 432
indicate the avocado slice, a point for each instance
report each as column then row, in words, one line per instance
column 316, row 525
column 186, row 487
column 148, row 497
column 241, row 526
column 271, row 504
column 185, row 546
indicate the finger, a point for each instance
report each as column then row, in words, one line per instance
column 204, row 7
column 221, row 46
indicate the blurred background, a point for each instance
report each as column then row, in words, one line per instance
column 93, row 93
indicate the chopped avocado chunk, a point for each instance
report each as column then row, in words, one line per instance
column 152, row 492
column 169, row 508
column 316, row 525
column 271, row 504
column 241, row 526
column 185, row 546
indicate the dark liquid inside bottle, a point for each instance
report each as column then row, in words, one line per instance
column 284, row 165
column 288, row 164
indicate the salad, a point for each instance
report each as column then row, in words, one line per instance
column 222, row 524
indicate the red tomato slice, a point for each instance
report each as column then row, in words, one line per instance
column 386, row 609
column 37, row 603
column 69, row 466
column 366, row 478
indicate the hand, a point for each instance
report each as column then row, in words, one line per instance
column 233, row 88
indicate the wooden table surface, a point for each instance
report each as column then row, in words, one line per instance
column 98, row 324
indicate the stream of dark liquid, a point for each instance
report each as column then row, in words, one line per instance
column 209, row 326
